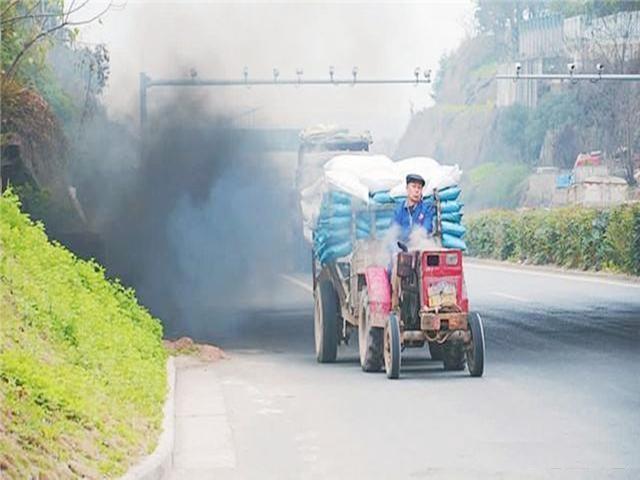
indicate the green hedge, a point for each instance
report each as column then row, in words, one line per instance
column 573, row 237
column 82, row 365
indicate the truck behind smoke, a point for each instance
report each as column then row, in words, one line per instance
column 318, row 145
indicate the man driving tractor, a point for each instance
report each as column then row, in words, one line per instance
column 413, row 212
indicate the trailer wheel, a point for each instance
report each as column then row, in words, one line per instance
column 326, row 326
column 370, row 340
column 453, row 354
column 475, row 349
column 435, row 350
column 392, row 347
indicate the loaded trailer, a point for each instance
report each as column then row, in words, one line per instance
column 395, row 300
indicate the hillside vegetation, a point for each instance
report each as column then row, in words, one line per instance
column 466, row 127
column 504, row 130
column 82, row 366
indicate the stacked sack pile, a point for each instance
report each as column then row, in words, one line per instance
column 358, row 193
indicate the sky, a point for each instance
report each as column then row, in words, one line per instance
column 219, row 39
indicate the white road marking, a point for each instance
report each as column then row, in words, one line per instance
column 576, row 278
column 297, row 282
column 510, row 297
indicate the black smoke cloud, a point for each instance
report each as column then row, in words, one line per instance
column 196, row 219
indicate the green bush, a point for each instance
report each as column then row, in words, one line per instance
column 575, row 237
column 82, row 365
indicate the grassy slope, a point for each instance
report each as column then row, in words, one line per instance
column 82, row 366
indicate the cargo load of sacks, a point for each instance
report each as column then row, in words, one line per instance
column 366, row 189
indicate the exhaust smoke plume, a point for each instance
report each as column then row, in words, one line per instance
column 199, row 224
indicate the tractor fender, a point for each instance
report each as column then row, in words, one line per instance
column 379, row 295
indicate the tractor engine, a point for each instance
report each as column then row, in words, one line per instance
column 409, row 298
column 430, row 281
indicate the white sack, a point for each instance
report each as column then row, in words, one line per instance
column 435, row 175
column 358, row 164
column 380, row 179
column 423, row 166
column 311, row 200
column 307, row 233
column 347, row 182
column 310, row 212
column 400, row 190
column 447, row 176
column 316, row 189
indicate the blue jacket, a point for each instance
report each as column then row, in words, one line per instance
column 422, row 216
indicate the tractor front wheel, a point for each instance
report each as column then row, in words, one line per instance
column 475, row 349
column 392, row 347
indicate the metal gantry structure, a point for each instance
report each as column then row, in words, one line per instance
column 571, row 76
column 146, row 82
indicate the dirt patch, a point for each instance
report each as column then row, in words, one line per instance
column 202, row 351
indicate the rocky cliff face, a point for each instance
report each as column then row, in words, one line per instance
column 459, row 128
column 450, row 135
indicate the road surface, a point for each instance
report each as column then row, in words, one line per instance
column 560, row 397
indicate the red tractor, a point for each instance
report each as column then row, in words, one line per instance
column 423, row 302
column 430, row 305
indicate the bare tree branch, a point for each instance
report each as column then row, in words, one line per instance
column 44, row 33
column 94, row 18
column 29, row 11
column 9, row 7
column 30, row 16
column 73, row 2
column 11, row 70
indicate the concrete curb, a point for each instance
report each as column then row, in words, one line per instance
column 158, row 465
column 618, row 277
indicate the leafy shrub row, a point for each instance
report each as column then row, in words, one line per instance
column 573, row 237
column 82, row 365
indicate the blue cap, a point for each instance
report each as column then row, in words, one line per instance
column 415, row 178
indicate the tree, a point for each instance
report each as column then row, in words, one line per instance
column 36, row 104
column 615, row 107
column 28, row 27
column 592, row 8
column 504, row 18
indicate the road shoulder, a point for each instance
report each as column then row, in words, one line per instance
column 158, row 464
column 203, row 436
column 555, row 270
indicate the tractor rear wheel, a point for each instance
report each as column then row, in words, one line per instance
column 392, row 347
column 326, row 326
column 453, row 355
column 370, row 340
column 475, row 349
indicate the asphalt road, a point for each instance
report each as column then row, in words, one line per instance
column 560, row 397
